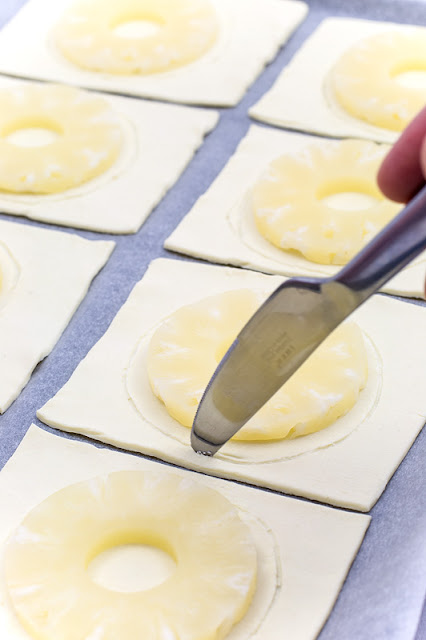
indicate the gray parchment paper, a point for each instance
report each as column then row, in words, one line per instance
column 383, row 595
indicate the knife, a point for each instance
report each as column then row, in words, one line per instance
column 293, row 322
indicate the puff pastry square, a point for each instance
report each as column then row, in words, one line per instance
column 220, row 227
column 46, row 275
column 159, row 141
column 296, row 570
column 108, row 397
column 220, row 77
column 300, row 98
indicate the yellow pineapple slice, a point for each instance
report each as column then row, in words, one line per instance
column 185, row 350
column 88, row 138
column 365, row 78
column 47, row 557
column 291, row 207
column 180, row 31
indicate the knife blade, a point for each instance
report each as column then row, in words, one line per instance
column 293, row 322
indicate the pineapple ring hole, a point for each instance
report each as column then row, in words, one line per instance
column 137, row 27
column 32, row 133
column 347, row 195
column 131, row 567
column 411, row 75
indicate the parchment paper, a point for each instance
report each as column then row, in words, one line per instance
column 383, row 596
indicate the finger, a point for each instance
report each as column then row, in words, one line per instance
column 423, row 157
column 401, row 174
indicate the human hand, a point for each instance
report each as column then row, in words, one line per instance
column 403, row 171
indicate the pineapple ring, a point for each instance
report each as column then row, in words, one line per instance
column 364, row 80
column 47, row 557
column 290, row 212
column 187, row 347
column 88, row 142
column 186, row 30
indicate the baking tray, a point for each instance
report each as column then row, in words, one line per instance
column 382, row 598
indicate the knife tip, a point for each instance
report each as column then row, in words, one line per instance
column 202, row 447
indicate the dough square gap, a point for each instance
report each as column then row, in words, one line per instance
column 220, row 227
column 44, row 277
column 108, row 397
column 299, row 98
column 219, row 78
column 159, row 140
column 297, row 571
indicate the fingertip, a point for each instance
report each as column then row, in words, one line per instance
column 403, row 170
column 386, row 178
column 399, row 176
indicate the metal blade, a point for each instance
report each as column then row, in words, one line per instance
column 278, row 338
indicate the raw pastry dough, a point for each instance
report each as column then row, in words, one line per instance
column 313, row 107
column 159, row 141
column 367, row 443
column 313, row 566
column 187, row 347
column 365, row 79
column 215, row 555
column 9, row 274
column 88, row 142
column 185, row 31
column 220, row 226
column 220, row 77
column 49, row 273
column 290, row 200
